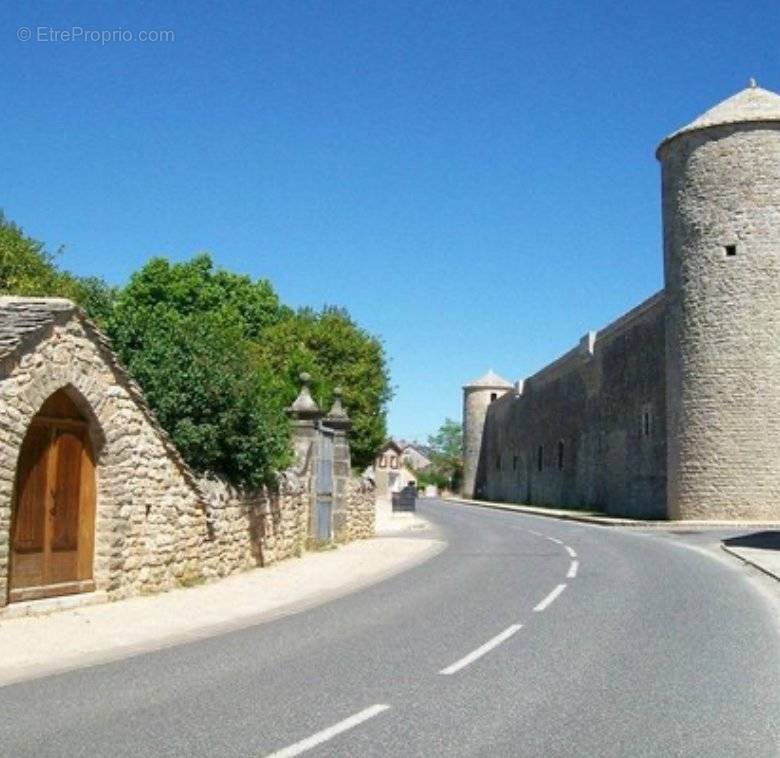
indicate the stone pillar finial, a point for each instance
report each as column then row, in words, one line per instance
column 304, row 406
column 337, row 417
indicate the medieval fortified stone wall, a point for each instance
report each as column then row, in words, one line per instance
column 588, row 430
column 674, row 410
column 156, row 525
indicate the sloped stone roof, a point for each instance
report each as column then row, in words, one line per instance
column 752, row 104
column 22, row 318
column 490, row 380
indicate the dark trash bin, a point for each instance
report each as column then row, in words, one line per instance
column 406, row 499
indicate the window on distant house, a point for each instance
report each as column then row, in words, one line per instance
column 383, row 462
column 493, row 396
column 393, row 461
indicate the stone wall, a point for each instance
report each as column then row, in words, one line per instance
column 157, row 526
column 361, row 509
column 721, row 208
column 589, row 430
column 257, row 528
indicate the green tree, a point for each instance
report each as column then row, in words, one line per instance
column 28, row 269
column 186, row 333
column 446, row 454
column 217, row 355
column 195, row 286
column 336, row 352
column 197, row 374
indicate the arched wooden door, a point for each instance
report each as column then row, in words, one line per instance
column 52, row 532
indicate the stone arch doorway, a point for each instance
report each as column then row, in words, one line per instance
column 53, row 520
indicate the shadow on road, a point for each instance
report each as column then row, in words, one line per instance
column 769, row 540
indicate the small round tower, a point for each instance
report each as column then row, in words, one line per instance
column 477, row 396
column 721, row 220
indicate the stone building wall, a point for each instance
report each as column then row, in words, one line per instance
column 596, row 416
column 157, row 526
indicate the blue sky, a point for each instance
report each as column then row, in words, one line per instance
column 474, row 181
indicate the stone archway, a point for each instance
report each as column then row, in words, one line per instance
column 53, row 518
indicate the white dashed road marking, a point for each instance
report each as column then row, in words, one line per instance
column 570, row 551
column 480, row 651
column 550, row 598
column 330, row 732
column 553, row 539
column 573, row 570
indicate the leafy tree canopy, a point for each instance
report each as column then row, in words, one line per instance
column 194, row 287
column 185, row 331
column 336, row 352
column 217, row 355
column 197, row 373
column 446, row 453
column 28, row 269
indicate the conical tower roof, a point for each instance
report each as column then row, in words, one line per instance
column 491, row 380
column 752, row 104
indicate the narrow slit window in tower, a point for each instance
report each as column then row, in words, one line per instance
column 493, row 396
column 560, row 455
column 731, row 251
column 540, row 457
column 647, row 420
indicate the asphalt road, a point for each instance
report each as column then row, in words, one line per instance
column 497, row 646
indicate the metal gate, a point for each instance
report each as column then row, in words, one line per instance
column 324, row 489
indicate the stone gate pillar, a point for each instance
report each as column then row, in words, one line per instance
column 339, row 422
column 305, row 415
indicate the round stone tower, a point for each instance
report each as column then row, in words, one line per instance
column 721, row 216
column 477, row 396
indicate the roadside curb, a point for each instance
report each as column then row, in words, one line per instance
column 588, row 518
column 762, row 568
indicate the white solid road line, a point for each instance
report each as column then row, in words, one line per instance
column 570, row 551
column 480, row 651
column 329, row 733
column 573, row 570
column 550, row 598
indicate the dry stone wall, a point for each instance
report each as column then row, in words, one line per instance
column 157, row 526
column 361, row 509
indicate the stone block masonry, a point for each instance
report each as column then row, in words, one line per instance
column 157, row 525
column 674, row 410
column 588, row 430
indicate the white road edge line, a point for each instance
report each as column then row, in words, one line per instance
column 573, row 570
column 550, row 598
column 329, row 733
column 570, row 551
column 480, row 651
column 553, row 539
